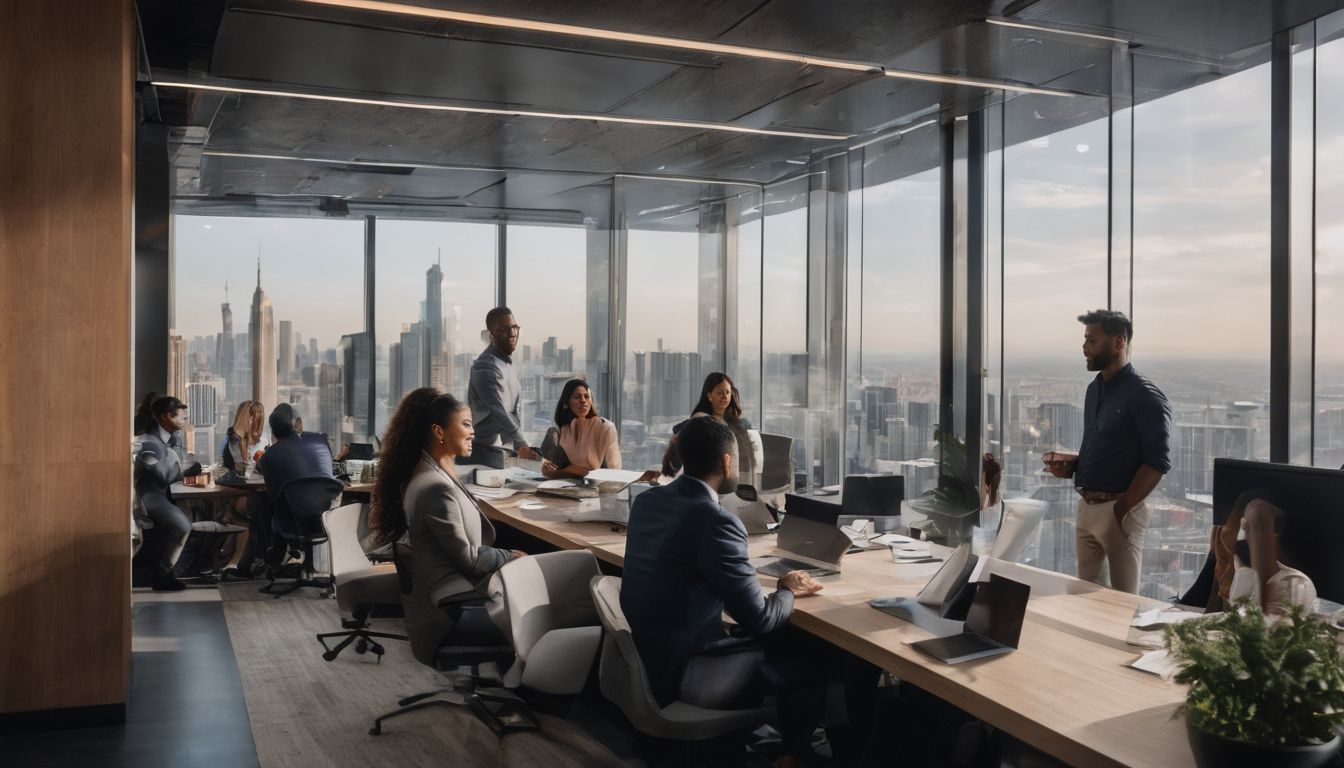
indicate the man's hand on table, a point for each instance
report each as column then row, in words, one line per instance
column 800, row 583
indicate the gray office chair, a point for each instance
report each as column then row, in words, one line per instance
column 777, row 466
column 625, row 682
column 496, row 707
column 553, row 624
column 360, row 585
column 297, row 519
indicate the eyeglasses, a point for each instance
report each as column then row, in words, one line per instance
column 511, row 330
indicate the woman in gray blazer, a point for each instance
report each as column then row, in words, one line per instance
column 417, row 492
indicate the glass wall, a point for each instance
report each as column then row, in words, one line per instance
column 897, row 387
column 1329, row 242
column 1054, row 239
column 281, row 294
column 784, row 304
column 434, row 282
column 1201, row 294
column 547, row 286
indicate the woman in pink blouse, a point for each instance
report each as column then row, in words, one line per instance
column 581, row 441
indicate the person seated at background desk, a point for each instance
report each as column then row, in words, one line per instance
column 243, row 437
column 720, row 400
column 452, row 558
column 294, row 455
column 159, row 461
column 581, row 440
column 686, row 563
column 1267, row 582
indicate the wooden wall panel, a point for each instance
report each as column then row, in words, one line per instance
column 66, row 81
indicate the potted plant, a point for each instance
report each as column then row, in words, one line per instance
column 1262, row 692
column 952, row 507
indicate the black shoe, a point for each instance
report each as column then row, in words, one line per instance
column 162, row 580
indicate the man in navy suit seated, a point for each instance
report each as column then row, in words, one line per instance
column 293, row 456
column 685, row 564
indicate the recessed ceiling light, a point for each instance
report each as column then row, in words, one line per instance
column 696, row 125
column 507, row 22
column 1055, row 31
column 1082, row 148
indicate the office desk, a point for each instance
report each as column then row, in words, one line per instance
column 1066, row 690
column 182, row 492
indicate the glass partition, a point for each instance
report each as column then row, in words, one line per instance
column 263, row 308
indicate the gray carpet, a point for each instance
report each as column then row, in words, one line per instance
column 310, row 713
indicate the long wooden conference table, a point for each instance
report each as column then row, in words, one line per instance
column 1066, row 690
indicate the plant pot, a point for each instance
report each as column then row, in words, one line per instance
column 1213, row 751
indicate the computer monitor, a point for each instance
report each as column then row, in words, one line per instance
column 361, row 452
column 873, row 495
column 813, row 509
column 1313, row 499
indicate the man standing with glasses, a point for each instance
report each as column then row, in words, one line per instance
column 495, row 396
column 1125, row 452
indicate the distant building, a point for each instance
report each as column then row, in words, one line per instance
column 261, row 335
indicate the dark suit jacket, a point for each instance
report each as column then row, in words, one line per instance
column 297, row 457
column 685, row 564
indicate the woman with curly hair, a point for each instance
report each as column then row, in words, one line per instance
column 417, row 492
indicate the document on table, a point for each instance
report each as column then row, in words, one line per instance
column 482, row 492
column 625, row 476
column 888, row 539
column 550, row 484
column 1155, row 618
column 1158, row 663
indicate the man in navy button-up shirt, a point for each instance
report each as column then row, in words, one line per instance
column 1125, row 452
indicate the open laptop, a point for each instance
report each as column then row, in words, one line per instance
column 993, row 625
column 826, row 512
column 804, row 545
column 755, row 515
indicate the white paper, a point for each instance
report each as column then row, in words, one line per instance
column 1159, row 663
column 490, row 493
column 1159, row 617
column 893, row 538
column 556, row 484
column 857, row 530
column 626, row 476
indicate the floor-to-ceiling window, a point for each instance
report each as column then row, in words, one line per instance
column 1329, row 242
column 282, row 294
column 1201, row 293
column 434, row 282
column 784, row 322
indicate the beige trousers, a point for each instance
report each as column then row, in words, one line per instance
column 1101, row 538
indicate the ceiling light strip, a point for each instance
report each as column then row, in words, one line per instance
column 894, row 134
column 702, row 126
column 1055, row 31
column 674, row 42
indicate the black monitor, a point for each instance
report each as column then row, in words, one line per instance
column 825, row 512
column 361, row 452
column 1313, row 499
column 873, row 495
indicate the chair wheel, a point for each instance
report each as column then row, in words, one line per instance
column 329, row 655
column 376, row 730
column 376, row 648
column 361, row 645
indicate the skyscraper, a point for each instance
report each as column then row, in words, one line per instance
column 437, row 356
column 224, row 352
column 330, row 397
column 177, row 365
column 354, row 354
column 204, row 398
column 261, row 336
column 287, row 358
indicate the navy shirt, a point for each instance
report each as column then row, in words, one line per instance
column 1126, row 424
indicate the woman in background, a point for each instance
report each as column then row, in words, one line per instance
column 581, row 440
column 719, row 399
column 243, row 437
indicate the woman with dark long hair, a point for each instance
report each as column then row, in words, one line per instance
column 581, row 440
column 417, row 492
column 160, row 459
column 720, row 399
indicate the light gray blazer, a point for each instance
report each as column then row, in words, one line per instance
column 452, row 559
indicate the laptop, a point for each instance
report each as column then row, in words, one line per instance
column 825, row 512
column 947, row 595
column 804, row 545
column 993, row 625
column 361, row 452
column 755, row 515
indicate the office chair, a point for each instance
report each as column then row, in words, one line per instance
column 297, row 520
column 496, row 707
column 777, row 466
column 625, row 682
column 553, row 624
column 360, row 585
column 1021, row 526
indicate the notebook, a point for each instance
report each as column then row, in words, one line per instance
column 993, row 625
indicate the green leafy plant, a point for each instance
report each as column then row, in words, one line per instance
column 950, row 504
column 1252, row 680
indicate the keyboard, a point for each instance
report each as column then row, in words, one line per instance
column 783, row 565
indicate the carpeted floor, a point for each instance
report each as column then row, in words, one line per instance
column 310, row 713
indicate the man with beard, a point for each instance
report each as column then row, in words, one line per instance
column 1124, row 454
column 685, row 564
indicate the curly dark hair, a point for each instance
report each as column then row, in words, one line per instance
column 407, row 434
column 1112, row 323
column 734, row 410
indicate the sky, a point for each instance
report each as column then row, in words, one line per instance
column 1201, row 249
